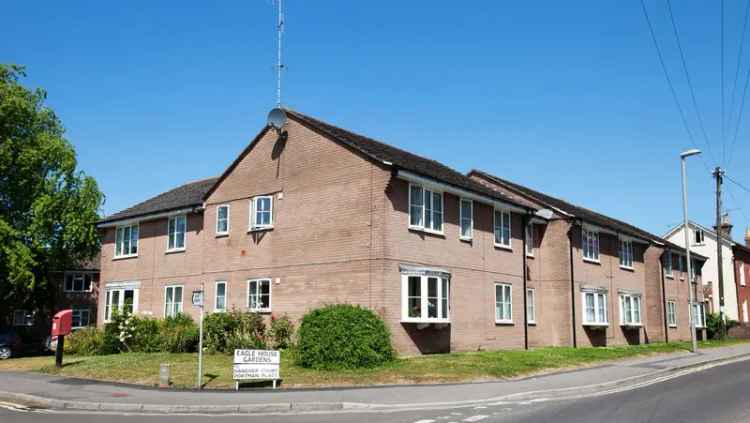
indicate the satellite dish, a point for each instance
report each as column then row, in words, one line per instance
column 277, row 119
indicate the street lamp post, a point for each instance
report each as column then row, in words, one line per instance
column 683, row 156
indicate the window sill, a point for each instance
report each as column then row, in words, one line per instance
column 528, row 255
column 592, row 261
column 260, row 229
column 628, row 268
column 503, row 247
column 427, row 231
column 503, row 322
column 631, row 325
column 425, row 321
column 596, row 325
column 260, row 310
column 175, row 250
column 129, row 256
column 222, row 235
column 673, row 326
column 466, row 239
column 669, row 276
column 531, row 323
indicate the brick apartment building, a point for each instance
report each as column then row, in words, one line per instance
column 741, row 254
column 317, row 215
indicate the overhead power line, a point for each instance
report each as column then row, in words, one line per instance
column 737, row 183
column 723, row 127
column 730, row 118
column 687, row 77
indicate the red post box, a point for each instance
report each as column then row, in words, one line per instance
column 62, row 323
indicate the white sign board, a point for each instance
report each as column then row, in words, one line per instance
column 256, row 364
column 198, row 298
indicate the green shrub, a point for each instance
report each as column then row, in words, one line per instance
column 712, row 325
column 146, row 335
column 223, row 332
column 343, row 336
column 86, row 341
column 281, row 332
column 178, row 334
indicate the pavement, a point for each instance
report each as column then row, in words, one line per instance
column 58, row 393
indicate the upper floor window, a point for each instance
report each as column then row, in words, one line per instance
column 77, row 282
column 176, row 229
column 699, row 236
column 668, row 264
column 503, row 303
column 172, row 300
column 626, row 253
column 742, row 274
column 425, row 298
column 595, row 308
column 672, row 314
column 502, row 228
column 222, row 220
column 530, row 240
column 590, row 241
column 259, row 295
column 630, row 310
column 126, row 241
column 467, row 218
column 425, row 209
column 261, row 213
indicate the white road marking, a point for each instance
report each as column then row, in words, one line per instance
column 424, row 421
column 14, row 407
column 475, row 418
column 479, row 407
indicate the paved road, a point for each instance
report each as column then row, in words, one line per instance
column 717, row 395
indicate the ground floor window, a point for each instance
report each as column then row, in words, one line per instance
column 672, row 314
column 259, row 295
column 81, row 316
column 630, row 310
column 531, row 305
column 172, row 300
column 699, row 314
column 595, row 308
column 425, row 298
column 220, row 300
column 503, row 303
column 120, row 300
column 23, row 318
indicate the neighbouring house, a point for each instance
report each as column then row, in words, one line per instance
column 741, row 254
column 704, row 242
column 316, row 214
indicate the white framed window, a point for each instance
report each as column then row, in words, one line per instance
column 595, row 309
column 530, row 240
column 81, row 316
column 259, row 295
column 742, row 274
column 699, row 237
column 172, row 300
column 77, row 282
column 467, row 218
column 425, row 299
column 126, row 241
column 222, row 219
column 630, row 310
column 120, row 300
column 671, row 314
column 531, row 305
column 699, row 314
column 176, row 228
column 220, row 296
column 668, row 264
column 626, row 253
column 502, row 228
column 261, row 212
column 425, row 209
column 503, row 303
column 590, row 244
column 23, row 318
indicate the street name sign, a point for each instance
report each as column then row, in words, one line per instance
column 256, row 365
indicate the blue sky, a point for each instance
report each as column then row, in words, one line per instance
column 565, row 97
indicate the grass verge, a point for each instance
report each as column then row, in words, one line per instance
column 143, row 369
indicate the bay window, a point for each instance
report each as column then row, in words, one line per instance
column 126, row 241
column 503, row 303
column 425, row 298
column 595, row 308
column 176, row 230
column 502, row 228
column 630, row 310
column 425, row 209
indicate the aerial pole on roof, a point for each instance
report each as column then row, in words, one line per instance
column 279, row 63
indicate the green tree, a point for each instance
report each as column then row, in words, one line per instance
column 48, row 209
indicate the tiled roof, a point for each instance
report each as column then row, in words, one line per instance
column 190, row 194
column 579, row 212
column 382, row 152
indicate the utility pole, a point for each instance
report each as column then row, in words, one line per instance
column 718, row 174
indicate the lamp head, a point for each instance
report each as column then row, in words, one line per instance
column 691, row 152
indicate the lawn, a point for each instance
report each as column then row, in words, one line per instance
column 143, row 369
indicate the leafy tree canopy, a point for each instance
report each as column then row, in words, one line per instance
column 48, row 209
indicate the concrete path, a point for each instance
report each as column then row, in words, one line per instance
column 46, row 391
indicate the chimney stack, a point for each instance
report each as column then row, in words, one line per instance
column 726, row 227
column 747, row 237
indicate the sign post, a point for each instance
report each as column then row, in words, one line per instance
column 198, row 302
column 256, row 365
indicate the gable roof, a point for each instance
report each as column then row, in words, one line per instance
column 709, row 231
column 579, row 212
column 184, row 196
column 393, row 156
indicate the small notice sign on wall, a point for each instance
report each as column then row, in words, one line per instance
column 256, row 365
